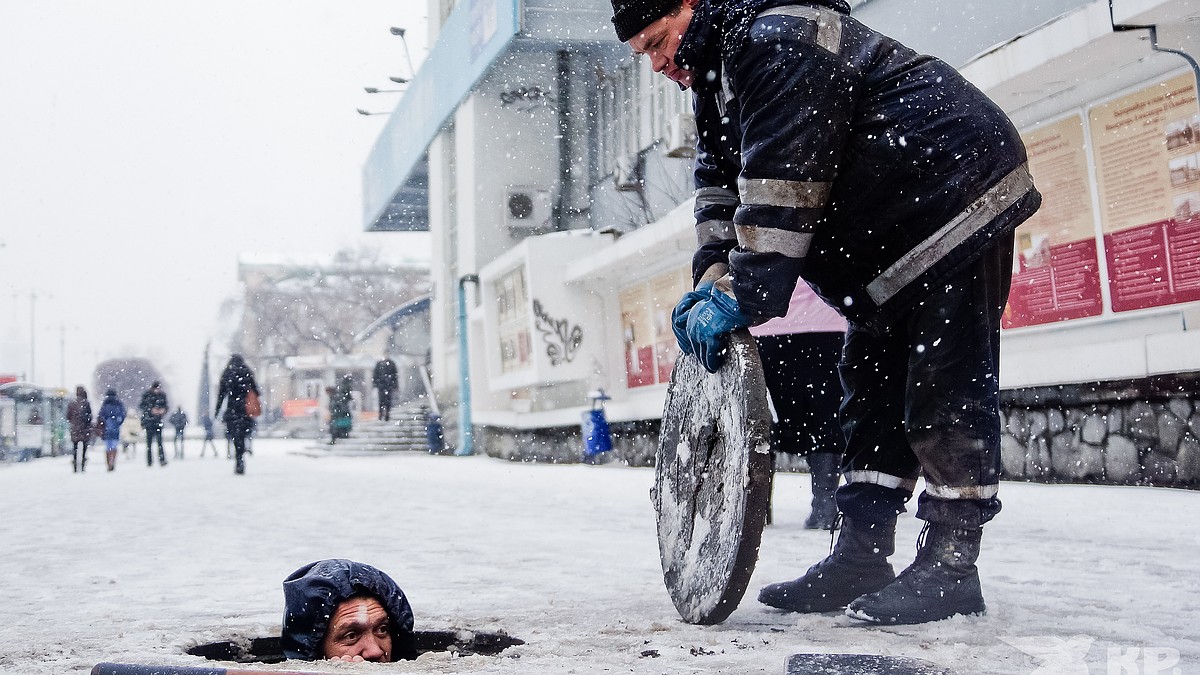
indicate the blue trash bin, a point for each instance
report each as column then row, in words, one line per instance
column 434, row 437
column 596, row 435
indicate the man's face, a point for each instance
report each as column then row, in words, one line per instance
column 660, row 40
column 358, row 631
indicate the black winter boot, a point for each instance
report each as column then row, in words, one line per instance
column 857, row 565
column 825, row 468
column 942, row 582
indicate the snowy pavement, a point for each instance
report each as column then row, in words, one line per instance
column 140, row 564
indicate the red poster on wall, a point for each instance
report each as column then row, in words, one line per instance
column 1148, row 165
column 1066, row 286
column 1153, row 265
column 1057, row 272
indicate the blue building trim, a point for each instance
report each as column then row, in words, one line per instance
column 476, row 33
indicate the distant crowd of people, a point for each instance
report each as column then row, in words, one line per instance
column 112, row 424
column 237, row 391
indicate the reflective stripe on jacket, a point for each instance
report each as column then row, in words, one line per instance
column 831, row 152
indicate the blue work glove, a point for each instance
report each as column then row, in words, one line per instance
column 709, row 324
column 679, row 316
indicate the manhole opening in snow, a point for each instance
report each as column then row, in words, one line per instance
column 269, row 650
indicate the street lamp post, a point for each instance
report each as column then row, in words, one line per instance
column 32, row 335
column 399, row 32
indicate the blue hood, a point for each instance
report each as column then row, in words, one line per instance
column 313, row 592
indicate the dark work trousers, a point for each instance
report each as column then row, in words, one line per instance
column 154, row 433
column 385, row 404
column 924, row 398
column 238, row 427
column 801, row 371
column 80, row 450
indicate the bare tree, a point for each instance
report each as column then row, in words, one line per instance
column 298, row 309
column 129, row 376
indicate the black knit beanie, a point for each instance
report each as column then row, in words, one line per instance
column 631, row 17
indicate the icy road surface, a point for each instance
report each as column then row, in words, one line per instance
column 140, row 564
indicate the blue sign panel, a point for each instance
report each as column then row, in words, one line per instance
column 473, row 37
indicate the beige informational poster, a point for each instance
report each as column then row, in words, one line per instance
column 1057, row 275
column 1147, row 154
column 1058, row 161
column 1132, row 155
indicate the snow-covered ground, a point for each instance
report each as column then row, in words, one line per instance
column 140, row 564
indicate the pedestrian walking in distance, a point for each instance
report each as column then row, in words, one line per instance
column 110, row 418
column 831, row 154
column 385, row 378
column 236, row 384
column 79, row 416
column 179, row 420
column 154, row 407
column 206, row 421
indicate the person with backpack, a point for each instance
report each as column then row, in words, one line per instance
column 237, row 382
column 110, row 418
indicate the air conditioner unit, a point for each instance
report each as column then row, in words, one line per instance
column 628, row 174
column 527, row 210
column 681, row 136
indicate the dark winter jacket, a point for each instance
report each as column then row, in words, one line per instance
column 179, row 420
column 236, row 382
column 385, row 376
column 833, row 153
column 79, row 415
column 112, row 413
column 151, row 402
column 313, row 592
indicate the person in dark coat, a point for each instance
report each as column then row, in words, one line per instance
column 206, row 421
column 830, row 153
column 236, row 384
column 341, row 415
column 79, row 416
column 179, row 420
column 385, row 378
column 154, row 407
column 799, row 355
column 110, row 417
column 341, row 609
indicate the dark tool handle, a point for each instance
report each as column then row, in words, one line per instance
column 141, row 669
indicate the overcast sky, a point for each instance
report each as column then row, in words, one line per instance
column 146, row 144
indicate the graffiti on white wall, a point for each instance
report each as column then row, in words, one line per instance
column 561, row 338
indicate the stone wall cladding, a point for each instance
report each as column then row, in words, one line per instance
column 1131, row 432
column 634, row 444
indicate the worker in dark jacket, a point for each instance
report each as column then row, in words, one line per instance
column 154, row 407
column 341, row 609
column 79, row 416
column 830, row 153
column 236, row 384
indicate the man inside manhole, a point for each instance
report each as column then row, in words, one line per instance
column 346, row 610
